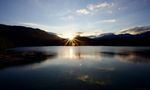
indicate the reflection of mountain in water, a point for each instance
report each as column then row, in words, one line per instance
column 13, row 58
column 130, row 56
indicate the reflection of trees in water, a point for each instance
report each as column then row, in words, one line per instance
column 130, row 56
column 13, row 58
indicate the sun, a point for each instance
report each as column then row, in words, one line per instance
column 71, row 37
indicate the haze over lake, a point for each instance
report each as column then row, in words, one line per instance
column 81, row 67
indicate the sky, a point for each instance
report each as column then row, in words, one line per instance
column 71, row 16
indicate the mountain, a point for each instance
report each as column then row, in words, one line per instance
column 111, row 39
column 106, row 36
column 16, row 36
column 20, row 36
column 141, row 39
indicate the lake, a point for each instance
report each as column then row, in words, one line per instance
column 81, row 68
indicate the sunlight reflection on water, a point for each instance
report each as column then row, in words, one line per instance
column 77, row 53
column 91, row 67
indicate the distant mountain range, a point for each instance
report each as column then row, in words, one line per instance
column 142, row 39
column 20, row 36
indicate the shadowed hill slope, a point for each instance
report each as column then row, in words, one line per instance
column 14, row 36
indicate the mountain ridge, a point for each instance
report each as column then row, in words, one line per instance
column 21, row 36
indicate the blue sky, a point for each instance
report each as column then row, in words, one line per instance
column 70, row 16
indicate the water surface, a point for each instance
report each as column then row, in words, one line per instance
column 82, row 67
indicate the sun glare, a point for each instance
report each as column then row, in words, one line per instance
column 70, row 39
column 69, row 36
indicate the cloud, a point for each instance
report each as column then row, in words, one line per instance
column 94, row 33
column 99, row 6
column 96, row 81
column 105, row 21
column 135, row 30
column 109, row 21
column 92, row 7
column 83, row 11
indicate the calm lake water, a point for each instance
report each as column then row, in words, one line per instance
column 82, row 68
